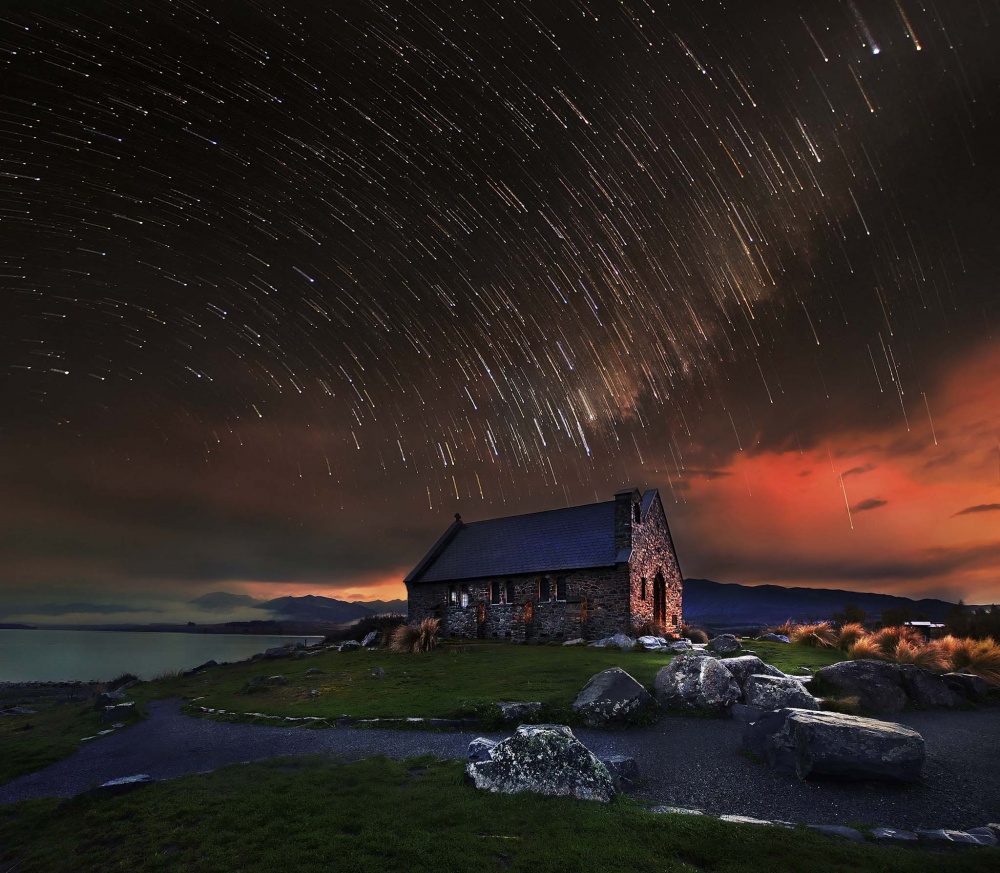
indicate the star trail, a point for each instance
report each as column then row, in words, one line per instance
column 287, row 284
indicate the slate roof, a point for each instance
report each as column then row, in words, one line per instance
column 576, row 538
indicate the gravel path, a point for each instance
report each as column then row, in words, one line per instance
column 684, row 761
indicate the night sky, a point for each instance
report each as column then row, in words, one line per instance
column 288, row 284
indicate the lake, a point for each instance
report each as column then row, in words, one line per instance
column 52, row 655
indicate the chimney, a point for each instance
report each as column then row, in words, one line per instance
column 623, row 518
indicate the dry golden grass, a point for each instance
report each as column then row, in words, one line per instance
column 849, row 634
column 784, row 630
column 865, row 648
column 820, row 635
column 416, row 637
column 925, row 656
column 889, row 637
column 981, row 657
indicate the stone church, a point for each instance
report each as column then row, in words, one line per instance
column 584, row 571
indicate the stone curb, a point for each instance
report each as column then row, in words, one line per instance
column 350, row 721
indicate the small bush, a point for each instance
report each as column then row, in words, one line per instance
column 866, row 649
column 846, row 705
column 849, row 634
column 928, row 657
column 981, row 657
column 416, row 637
column 888, row 638
column 820, row 635
column 694, row 634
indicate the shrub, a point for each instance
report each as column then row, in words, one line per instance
column 820, row 635
column 416, row 637
column 694, row 634
column 889, row 637
column 928, row 657
column 981, row 657
column 865, row 648
column 849, row 634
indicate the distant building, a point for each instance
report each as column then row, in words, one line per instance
column 585, row 571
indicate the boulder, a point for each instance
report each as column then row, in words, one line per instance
column 579, row 641
column 619, row 640
column 878, row 685
column 481, row 749
column 969, row 685
column 369, row 639
column 773, row 638
column 276, row 680
column 743, row 713
column 115, row 713
column 724, row 644
column 623, row 769
column 927, row 689
column 649, row 642
column 777, row 692
column 611, row 696
column 278, row 652
column 808, row 743
column 515, row 710
column 349, row 646
column 543, row 759
column 696, row 681
column 746, row 666
column 199, row 668
column 680, row 646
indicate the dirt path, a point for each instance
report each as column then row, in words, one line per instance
column 683, row 761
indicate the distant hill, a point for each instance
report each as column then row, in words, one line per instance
column 720, row 604
column 312, row 607
column 380, row 606
column 223, row 601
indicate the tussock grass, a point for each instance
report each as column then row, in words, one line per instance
column 888, row 638
column 849, row 634
column 981, row 657
column 694, row 634
column 866, row 649
column 819, row 635
column 929, row 658
column 312, row 814
column 415, row 638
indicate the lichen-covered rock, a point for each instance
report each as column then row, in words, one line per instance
column 618, row 641
column 481, row 749
column 681, row 646
column 878, row 685
column 696, row 681
column 745, row 666
column 724, row 644
column 611, row 696
column 651, row 642
column 515, row 710
column 777, row 692
column 807, row 743
column 927, row 689
column 543, row 759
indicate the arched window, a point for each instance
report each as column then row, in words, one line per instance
column 561, row 588
column 544, row 590
column 511, row 591
column 494, row 591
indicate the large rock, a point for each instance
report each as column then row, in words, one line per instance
column 877, row 685
column 619, row 640
column 650, row 642
column 516, row 710
column 108, row 698
column 968, row 685
column 277, row 652
column 773, row 638
column 543, row 759
column 696, row 681
column 612, row 696
column 777, row 692
column 927, row 689
column 724, row 644
column 681, row 646
column 746, row 666
column 481, row 749
column 370, row 639
column 808, row 743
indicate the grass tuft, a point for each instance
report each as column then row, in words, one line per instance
column 416, row 638
column 819, row 635
column 849, row 634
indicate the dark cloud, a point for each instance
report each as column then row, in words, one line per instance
column 981, row 507
column 857, row 471
column 870, row 503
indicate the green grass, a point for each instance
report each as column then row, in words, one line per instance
column 312, row 814
column 458, row 679
column 30, row 742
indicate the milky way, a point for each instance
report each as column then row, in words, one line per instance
column 480, row 250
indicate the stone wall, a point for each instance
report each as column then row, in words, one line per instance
column 653, row 552
column 596, row 606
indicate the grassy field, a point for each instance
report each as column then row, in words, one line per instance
column 452, row 681
column 314, row 814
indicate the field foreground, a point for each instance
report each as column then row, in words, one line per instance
column 314, row 814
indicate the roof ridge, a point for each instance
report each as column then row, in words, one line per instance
column 539, row 512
